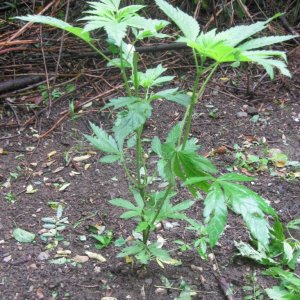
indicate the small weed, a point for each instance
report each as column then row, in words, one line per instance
column 10, row 197
column 101, row 235
column 177, row 156
column 252, row 290
column 53, row 226
column 73, row 114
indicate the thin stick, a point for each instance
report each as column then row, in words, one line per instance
column 20, row 31
column 62, row 40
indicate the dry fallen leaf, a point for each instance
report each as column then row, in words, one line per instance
column 221, row 150
column 58, row 169
column 30, row 189
column 80, row 259
column 96, row 256
column 81, row 158
column 62, row 253
column 50, row 154
column 129, row 260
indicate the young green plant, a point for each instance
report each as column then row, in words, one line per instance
column 177, row 157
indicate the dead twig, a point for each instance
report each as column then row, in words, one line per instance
column 21, row 30
column 66, row 113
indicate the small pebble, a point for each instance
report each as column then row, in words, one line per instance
column 161, row 291
column 241, row 114
column 43, row 256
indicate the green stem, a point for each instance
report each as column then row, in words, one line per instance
column 123, row 71
column 127, row 172
column 196, row 96
column 196, row 83
column 135, row 74
column 99, row 52
column 147, row 231
column 139, row 156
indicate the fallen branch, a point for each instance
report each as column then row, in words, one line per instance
column 21, row 30
column 19, row 83
column 143, row 49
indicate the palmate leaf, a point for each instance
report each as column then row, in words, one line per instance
column 129, row 121
column 115, row 21
column 249, row 252
column 152, row 77
column 77, row 31
column 187, row 24
column 252, row 207
column 173, row 95
column 122, row 203
column 227, row 46
column 159, row 253
column 103, row 141
column 121, row 102
column 215, row 212
column 264, row 41
column 236, row 177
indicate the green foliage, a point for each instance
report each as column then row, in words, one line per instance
column 10, row 197
column 53, row 226
column 115, row 21
column 23, row 236
column 77, row 31
column 178, row 158
column 187, row 24
column 253, row 291
column 232, row 45
column 289, row 287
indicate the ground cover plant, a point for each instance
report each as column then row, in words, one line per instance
column 178, row 161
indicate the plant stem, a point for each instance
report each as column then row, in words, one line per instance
column 127, row 172
column 146, row 232
column 195, row 97
column 139, row 157
column 135, row 74
column 99, row 52
column 123, row 71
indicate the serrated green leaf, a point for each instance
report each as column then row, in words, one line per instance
column 174, row 134
column 193, row 161
column 115, row 20
column 159, row 253
column 294, row 224
column 142, row 226
column 108, row 159
column 187, row 24
column 174, row 96
column 130, row 214
column 265, row 41
column 122, row 203
column 194, row 180
column 23, row 236
column 247, row 203
column 156, row 146
column 247, row 251
column 236, row 177
column 184, row 205
column 215, row 212
column 277, row 293
column 131, row 120
column 138, row 199
column 103, row 141
column 152, row 77
column 288, row 276
column 136, row 248
column 77, row 31
column 121, row 102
